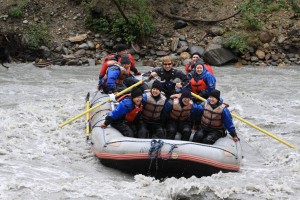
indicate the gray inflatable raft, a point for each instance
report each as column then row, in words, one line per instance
column 159, row 157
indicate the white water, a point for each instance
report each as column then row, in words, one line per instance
column 38, row 160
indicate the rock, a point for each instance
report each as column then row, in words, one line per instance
column 182, row 49
column 281, row 39
column 216, row 31
column 161, row 53
column 90, row 44
column 194, row 49
column 260, row 54
column 45, row 51
column 150, row 63
column 184, row 55
column 83, row 46
column 78, row 38
column 174, row 44
column 265, row 37
column 254, row 59
column 180, row 24
column 217, row 55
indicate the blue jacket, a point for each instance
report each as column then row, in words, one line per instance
column 208, row 78
column 124, row 107
column 112, row 73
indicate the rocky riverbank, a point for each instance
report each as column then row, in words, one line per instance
column 73, row 44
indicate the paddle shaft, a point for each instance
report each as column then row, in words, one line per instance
column 100, row 104
column 253, row 125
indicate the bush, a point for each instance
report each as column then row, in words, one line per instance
column 138, row 27
column 37, row 36
column 18, row 10
column 237, row 42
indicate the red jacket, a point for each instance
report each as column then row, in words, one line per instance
column 106, row 59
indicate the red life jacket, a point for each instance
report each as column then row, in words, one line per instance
column 132, row 114
column 111, row 56
column 209, row 68
column 197, row 86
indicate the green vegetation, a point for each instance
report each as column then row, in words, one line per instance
column 18, row 10
column 37, row 36
column 255, row 12
column 237, row 41
column 134, row 26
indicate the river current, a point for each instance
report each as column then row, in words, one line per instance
column 39, row 160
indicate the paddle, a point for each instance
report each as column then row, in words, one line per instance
column 87, row 116
column 100, row 104
column 253, row 125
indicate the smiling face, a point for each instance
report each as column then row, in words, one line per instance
column 155, row 92
column 167, row 63
column 213, row 100
column 199, row 69
column 186, row 101
column 195, row 57
column 137, row 100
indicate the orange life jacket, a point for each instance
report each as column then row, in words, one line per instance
column 197, row 86
column 132, row 114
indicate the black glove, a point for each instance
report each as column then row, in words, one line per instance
column 108, row 120
column 233, row 134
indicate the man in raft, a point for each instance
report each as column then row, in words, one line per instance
column 215, row 119
column 126, row 116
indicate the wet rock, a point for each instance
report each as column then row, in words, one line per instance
column 217, row 55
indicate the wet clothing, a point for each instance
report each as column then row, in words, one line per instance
column 202, row 84
column 176, row 116
column 152, row 106
column 151, row 125
column 117, row 58
column 168, row 79
column 214, row 119
column 113, row 80
column 124, row 117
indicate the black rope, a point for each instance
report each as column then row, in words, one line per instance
column 155, row 148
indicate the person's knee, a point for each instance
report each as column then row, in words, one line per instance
column 186, row 133
column 198, row 136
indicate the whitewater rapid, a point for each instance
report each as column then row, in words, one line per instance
column 39, row 160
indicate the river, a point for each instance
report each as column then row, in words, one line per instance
column 39, row 160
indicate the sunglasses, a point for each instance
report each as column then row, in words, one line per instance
column 167, row 64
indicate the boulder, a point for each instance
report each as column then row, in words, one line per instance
column 217, row 55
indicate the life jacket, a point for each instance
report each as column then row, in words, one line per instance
column 209, row 68
column 198, row 86
column 212, row 118
column 180, row 113
column 130, row 117
column 123, row 74
column 152, row 108
column 117, row 58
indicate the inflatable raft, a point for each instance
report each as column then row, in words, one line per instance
column 158, row 157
